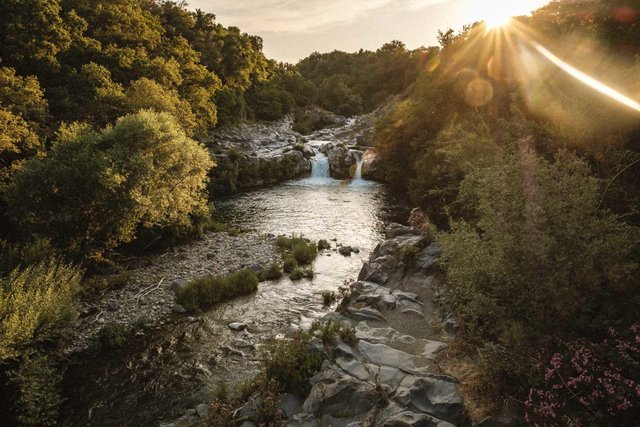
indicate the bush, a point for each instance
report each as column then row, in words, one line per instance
column 588, row 383
column 541, row 259
column 204, row 292
column 38, row 382
column 304, row 252
column 302, row 273
column 328, row 297
column 290, row 264
column 291, row 363
column 330, row 330
column 36, row 304
column 113, row 336
column 95, row 286
column 142, row 173
column 274, row 272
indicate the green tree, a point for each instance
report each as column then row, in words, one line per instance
column 94, row 190
column 33, row 33
column 24, row 97
column 147, row 94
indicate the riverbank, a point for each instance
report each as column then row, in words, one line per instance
column 149, row 298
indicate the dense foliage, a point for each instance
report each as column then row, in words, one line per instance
column 532, row 177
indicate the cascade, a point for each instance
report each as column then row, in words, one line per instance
column 319, row 165
column 358, row 174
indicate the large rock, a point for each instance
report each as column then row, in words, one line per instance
column 433, row 395
column 340, row 395
column 342, row 162
column 371, row 166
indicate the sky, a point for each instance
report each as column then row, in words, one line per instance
column 293, row 29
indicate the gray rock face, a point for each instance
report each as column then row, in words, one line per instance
column 371, row 165
column 342, row 162
column 389, row 378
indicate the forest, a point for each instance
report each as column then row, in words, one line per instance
column 528, row 178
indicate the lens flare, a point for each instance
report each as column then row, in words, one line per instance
column 588, row 80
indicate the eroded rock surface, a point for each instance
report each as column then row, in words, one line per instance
column 389, row 378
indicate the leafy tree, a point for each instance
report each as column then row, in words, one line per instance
column 147, row 94
column 33, row 33
column 335, row 95
column 24, row 97
column 17, row 142
column 94, row 190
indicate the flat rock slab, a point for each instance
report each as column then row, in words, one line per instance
column 382, row 355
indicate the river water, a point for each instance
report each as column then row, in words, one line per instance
column 160, row 375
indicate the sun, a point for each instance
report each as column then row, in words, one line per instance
column 498, row 20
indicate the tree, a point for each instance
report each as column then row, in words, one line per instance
column 24, row 97
column 33, row 33
column 94, row 190
column 148, row 94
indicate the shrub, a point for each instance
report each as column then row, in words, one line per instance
column 291, row 363
column 204, row 292
column 302, row 273
column 274, row 272
column 113, row 336
column 330, row 330
column 328, row 297
column 540, row 260
column 95, row 286
column 588, row 383
column 290, row 264
column 36, row 303
column 304, row 252
column 38, row 383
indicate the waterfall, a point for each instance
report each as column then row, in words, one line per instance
column 358, row 174
column 319, row 165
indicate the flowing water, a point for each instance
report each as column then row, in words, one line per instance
column 162, row 374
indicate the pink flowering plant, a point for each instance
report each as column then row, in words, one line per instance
column 590, row 384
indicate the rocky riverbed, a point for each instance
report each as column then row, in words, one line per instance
column 390, row 377
column 150, row 296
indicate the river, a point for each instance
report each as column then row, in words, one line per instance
column 159, row 375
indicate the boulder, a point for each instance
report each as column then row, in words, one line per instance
column 340, row 395
column 237, row 326
column 342, row 162
column 395, row 230
column 434, row 395
column 371, row 166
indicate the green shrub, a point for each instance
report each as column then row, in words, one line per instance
column 330, row 330
column 304, row 252
column 36, row 303
column 328, row 297
column 113, row 336
column 291, row 363
column 302, row 273
column 204, row 292
column 38, row 382
column 274, row 272
column 540, row 260
column 95, row 286
column 290, row 264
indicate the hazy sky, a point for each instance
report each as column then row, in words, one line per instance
column 292, row 29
